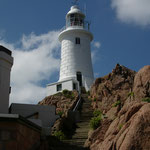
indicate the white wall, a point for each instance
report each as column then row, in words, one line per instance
column 76, row 57
column 6, row 62
column 67, row 84
column 46, row 113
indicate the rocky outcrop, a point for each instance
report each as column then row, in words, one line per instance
column 113, row 87
column 129, row 131
column 126, row 122
column 141, row 87
column 63, row 101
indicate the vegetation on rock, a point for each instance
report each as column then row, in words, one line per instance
column 60, row 113
column 131, row 94
column 96, row 120
column 116, row 103
column 97, row 113
column 64, row 102
column 146, row 99
column 59, row 135
column 123, row 122
column 68, row 94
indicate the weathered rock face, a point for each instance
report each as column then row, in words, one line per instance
column 111, row 88
column 63, row 102
column 141, row 87
column 129, row 131
column 126, row 125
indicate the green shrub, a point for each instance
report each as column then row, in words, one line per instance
column 72, row 96
column 60, row 113
column 65, row 92
column 88, row 93
column 89, row 99
column 116, row 103
column 95, row 122
column 146, row 99
column 58, row 94
column 120, row 126
column 131, row 94
column 59, row 135
column 97, row 113
column 68, row 94
column 94, row 99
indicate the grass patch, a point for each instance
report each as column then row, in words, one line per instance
column 131, row 94
column 95, row 122
column 58, row 94
column 68, row 94
column 97, row 113
column 94, row 99
column 60, row 113
column 116, row 103
column 146, row 99
column 88, row 93
column 120, row 126
column 59, row 135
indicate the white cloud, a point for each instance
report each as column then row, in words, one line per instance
column 97, row 44
column 95, row 51
column 133, row 11
column 35, row 61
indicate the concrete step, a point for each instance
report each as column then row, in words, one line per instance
column 81, row 133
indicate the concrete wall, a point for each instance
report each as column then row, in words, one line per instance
column 67, row 84
column 6, row 62
column 45, row 113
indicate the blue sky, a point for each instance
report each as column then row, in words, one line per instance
column 121, row 30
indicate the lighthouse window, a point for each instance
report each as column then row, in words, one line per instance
column 59, row 87
column 77, row 40
column 72, row 15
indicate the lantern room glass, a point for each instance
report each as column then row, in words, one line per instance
column 75, row 20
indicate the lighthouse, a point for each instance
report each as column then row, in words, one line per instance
column 76, row 66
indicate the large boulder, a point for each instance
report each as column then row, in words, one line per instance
column 141, row 87
column 120, row 96
column 129, row 131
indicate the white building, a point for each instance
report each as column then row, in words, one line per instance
column 76, row 65
column 6, row 62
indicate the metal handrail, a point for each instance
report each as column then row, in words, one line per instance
column 77, row 104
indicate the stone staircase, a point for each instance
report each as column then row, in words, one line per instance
column 81, row 133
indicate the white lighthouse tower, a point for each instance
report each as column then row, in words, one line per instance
column 76, row 66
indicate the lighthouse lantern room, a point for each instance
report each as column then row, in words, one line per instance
column 76, row 66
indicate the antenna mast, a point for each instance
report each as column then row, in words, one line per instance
column 85, row 9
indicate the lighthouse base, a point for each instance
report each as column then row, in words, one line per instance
column 70, row 84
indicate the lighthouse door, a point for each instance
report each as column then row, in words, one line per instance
column 79, row 78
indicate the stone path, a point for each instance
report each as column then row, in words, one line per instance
column 81, row 133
